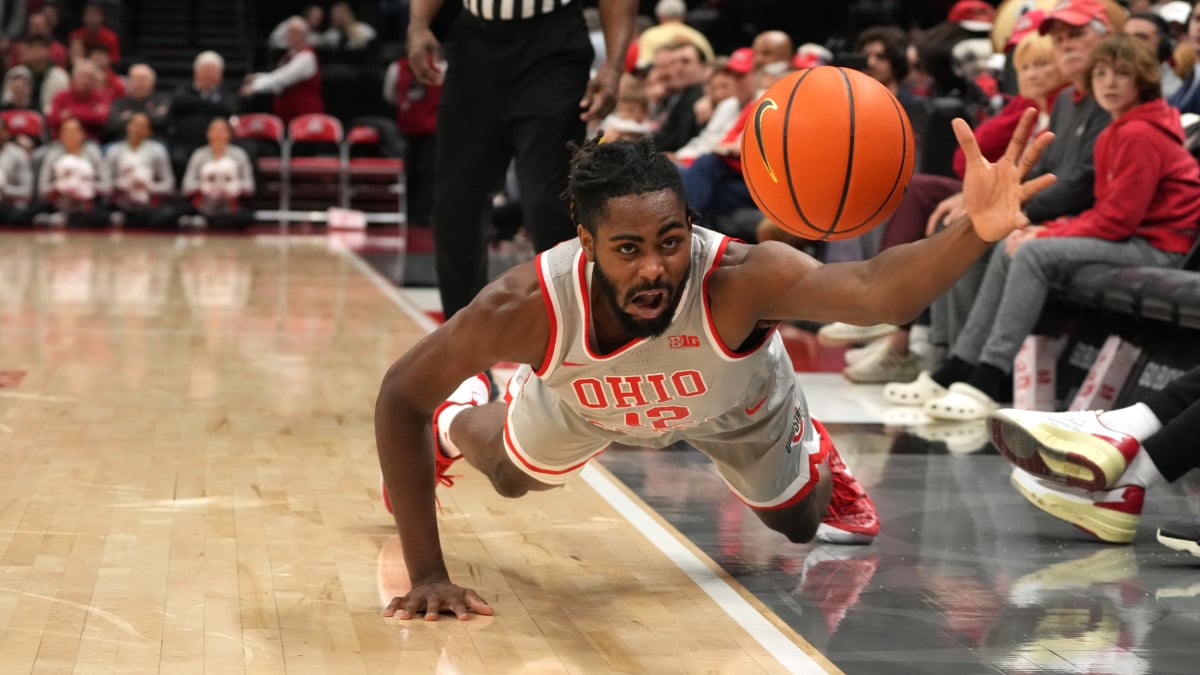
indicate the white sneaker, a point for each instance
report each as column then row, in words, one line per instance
column 856, row 354
column 883, row 366
column 1071, row 447
column 837, row 333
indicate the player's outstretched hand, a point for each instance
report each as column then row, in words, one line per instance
column 433, row 598
column 993, row 192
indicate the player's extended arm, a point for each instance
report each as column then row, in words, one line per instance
column 899, row 283
column 507, row 321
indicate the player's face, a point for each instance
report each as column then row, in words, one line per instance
column 642, row 251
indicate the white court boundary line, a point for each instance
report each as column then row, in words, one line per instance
column 778, row 645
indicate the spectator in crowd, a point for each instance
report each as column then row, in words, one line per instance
column 194, row 105
column 1039, row 83
column 313, row 17
column 48, row 78
column 54, row 27
column 713, row 182
column 736, row 80
column 1076, row 28
column 416, row 119
column 688, row 74
column 515, row 91
column 1147, row 192
column 94, row 33
column 12, row 22
column 37, row 24
column 112, row 84
column 660, row 85
column 73, row 180
column 84, row 101
column 295, row 82
column 17, row 173
column 1187, row 96
column 345, row 33
column 628, row 121
column 141, row 172
column 1176, row 14
column 886, row 51
column 670, row 30
column 139, row 98
column 772, row 51
column 1139, row 447
column 18, row 90
column 219, row 182
column 1154, row 30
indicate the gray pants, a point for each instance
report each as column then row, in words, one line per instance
column 948, row 313
column 1014, row 290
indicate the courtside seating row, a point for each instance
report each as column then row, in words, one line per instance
column 313, row 151
column 1171, row 295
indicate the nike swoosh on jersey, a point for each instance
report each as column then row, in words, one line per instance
column 572, row 363
column 750, row 410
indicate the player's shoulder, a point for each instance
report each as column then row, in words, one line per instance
column 507, row 320
column 516, row 290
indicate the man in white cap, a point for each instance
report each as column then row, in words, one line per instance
column 670, row 29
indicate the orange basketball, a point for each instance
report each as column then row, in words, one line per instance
column 827, row 153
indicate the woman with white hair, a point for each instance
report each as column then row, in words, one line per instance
column 195, row 104
column 295, row 82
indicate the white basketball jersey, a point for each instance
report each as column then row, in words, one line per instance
column 683, row 385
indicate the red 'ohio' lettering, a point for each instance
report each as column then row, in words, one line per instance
column 631, row 391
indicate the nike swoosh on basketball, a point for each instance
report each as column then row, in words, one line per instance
column 750, row 410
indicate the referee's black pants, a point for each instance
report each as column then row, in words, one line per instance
column 512, row 91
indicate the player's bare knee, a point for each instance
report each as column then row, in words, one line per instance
column 510, row 482
column 508, row 487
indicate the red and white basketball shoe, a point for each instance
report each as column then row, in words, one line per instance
column 851, row 517
column 1070, row 447
column 475, row 390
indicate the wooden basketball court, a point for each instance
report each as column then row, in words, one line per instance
column 190, row 484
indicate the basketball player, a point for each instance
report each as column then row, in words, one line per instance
column 649, row 330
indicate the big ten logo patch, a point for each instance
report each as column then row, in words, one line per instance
column 683, row 341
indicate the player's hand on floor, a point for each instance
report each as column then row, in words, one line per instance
column 433, row 598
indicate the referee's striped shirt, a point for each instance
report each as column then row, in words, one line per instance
column 504, row 10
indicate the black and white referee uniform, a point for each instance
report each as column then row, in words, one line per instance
column 516, row 71
column 505, row 10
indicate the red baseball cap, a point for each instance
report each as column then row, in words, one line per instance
column 1025, row 25
column 975, row 15
column 806, row 60
column 1074, row 13
column 741, row 61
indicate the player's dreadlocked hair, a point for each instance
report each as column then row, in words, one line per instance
column 603, row 170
